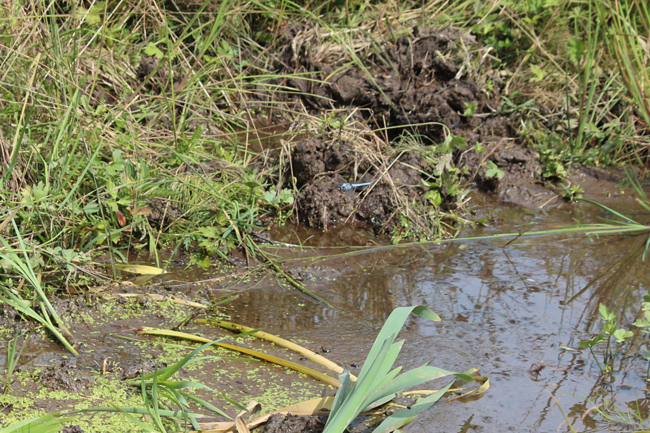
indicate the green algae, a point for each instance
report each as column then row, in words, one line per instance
column 230, row 375
column 27, row 403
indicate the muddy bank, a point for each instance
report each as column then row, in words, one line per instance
column 418, row 84
column 324, row 166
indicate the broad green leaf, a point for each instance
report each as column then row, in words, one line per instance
column 395, row 322
column 621, row 335
column 404, row 416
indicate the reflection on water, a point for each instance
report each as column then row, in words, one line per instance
column 510, row 308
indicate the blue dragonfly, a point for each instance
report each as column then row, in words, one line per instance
column 350, row 186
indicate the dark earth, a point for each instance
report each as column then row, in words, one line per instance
column 416, row 84
column 293, row 423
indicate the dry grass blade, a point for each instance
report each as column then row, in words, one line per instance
column 273, row 359
column 317, row 406
column 139, row 269
column 312, row 356
column 251, row 408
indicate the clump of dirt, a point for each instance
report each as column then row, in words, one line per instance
column 158, row 75
column 138, row 367
column 416, row 81
column 278, row 423
column 519, row 178
column 163, row 212
column 66, row 376
column 325, row 165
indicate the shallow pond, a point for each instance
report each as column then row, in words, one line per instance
column 513, row 307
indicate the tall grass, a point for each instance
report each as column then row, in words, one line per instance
column 45, row 313
column 628, row 41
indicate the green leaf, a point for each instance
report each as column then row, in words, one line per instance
column 575, row 49
column 470, row 109
column 405, row 416
column 434, row 197
column 605, row 313
column 286, row 196
column 642, row 323
column 609, row 328
column 592, row 341
column 493, row 170
column 621, row 335
column 539, row 73
column 270, row 197
column 40, row 191
column 152, row 50
column 210, row 232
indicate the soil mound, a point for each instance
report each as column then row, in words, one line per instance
column 328, row 170
column 278, row 423
column 416, row 82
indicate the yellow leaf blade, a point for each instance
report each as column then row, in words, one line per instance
column 270, row 358
column 139, row 269
column 312, row 356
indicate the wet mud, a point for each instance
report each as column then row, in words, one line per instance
column 412, row 82
column 323, row 166
column 294, row 424
column 416, row 83
column 64, row 375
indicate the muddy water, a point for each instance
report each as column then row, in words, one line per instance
column 515, row 308
column 509, row 307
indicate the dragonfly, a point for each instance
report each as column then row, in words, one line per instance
column 349, row 186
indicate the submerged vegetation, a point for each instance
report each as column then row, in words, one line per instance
column 378, row 384
column 132, row 128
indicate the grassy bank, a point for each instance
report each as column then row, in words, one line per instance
column 136, row 126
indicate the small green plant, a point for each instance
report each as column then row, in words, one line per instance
column 279, row 201
column 22, row 265
column 493, row 170
column 539, row 73
column 12, row 359
column 379, row 383
column 644, row 324
column 609, row 330
column 470, row 109
column 572, row 193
